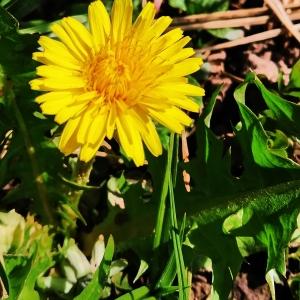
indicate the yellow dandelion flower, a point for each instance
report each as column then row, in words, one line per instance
column 115, row 79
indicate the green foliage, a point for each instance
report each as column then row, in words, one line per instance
column 199, row 6
column 24, row 131
column 293, row 88
column 27, row 259
column 178, row 4
column 227, row 33
column 253, row 209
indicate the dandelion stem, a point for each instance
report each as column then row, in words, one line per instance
column 80, row 176
column 37, row 174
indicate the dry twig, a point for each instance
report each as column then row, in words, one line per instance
column 226, row 15
column 278, row 9
column 236, row 22
column 265, row 35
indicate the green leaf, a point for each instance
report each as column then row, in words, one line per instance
column 142, row 269
column 78, row 186
column 137, row 294
column 4, row 277
column 210, row 167
column 178, row 4
column 294, row 83
column 95, row 288
column 286, row 113
column 208, row 110
column 263, row 155
column 278, row 140
column 32, row 156
column 227, row 33
column 197, row 99
column 24, row 274
column 209, row 240
column 201, row 6
column 276, row 234
column 21, row 8
column 7, row 22
column 272, row 277
column 237, row 220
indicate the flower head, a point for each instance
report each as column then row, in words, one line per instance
column 115, row 79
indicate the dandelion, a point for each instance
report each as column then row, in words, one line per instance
column 116, row 79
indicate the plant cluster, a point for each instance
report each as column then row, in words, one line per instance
column 107, row 229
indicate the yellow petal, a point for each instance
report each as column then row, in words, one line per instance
column 54, row 106
column 99, row 24
column 180, row 116
column 173, row 118
column 79, row 35
column 52, row 84
column 143, row 22
column 53, row 96
column 88, row 150
column 185, row 103
column 121, row 19
column 82, row 34
column 130, row 139
column 166, row 40
column 98, row 126
column 84, row 126
column 147, row 14
column 160, row 25
column 56, row 71
column 157, row 101
column 152, row 139
column 68, row 142
column 186, row 67
column 111, row 121
column 57, row 48
column 182, row 89
column 137, row 144
column 52, row 58
column 68, row 112
column 95, row 136
column 181, row 55
column 64, row 36
column 174, row 48
column 166, row 119
column 87, row 96
column 147, row 130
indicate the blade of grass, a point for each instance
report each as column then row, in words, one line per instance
column 181, row 273
column 137, row 294
column 163, row 196
column 176, row 159
column 175, row 236
column 169, row 273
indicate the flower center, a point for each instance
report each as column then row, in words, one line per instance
column 109, row 76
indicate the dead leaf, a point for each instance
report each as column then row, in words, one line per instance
column 264, row 65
